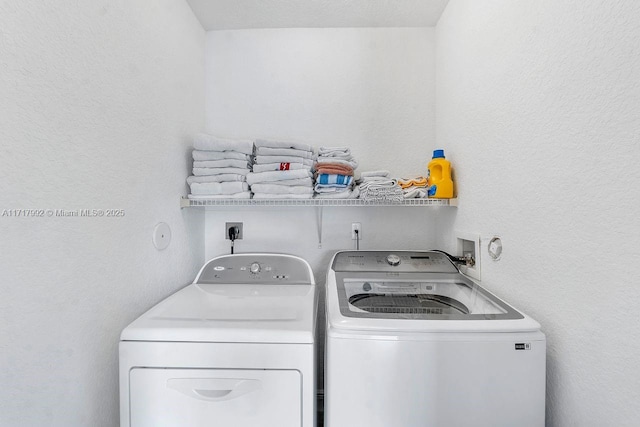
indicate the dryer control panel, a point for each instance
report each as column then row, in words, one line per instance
column 256, row 268
column 389, row 262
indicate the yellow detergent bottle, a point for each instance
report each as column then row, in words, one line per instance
column 439, row 177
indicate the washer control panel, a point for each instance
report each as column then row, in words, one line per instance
column 393, row 262
column 261, row 268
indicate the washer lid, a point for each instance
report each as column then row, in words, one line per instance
column 430, row 296
column 248, row 313
column 408, row 292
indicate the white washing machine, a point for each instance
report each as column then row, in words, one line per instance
column 412, row 342
column 235, row 348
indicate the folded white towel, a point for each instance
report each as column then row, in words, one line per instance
column 253, row 177
column 415, row 193
column 346, row 194
column 281, row 196
column 268, row 151
column 218, row 171
column 299, row 181
column 223, row 177
column 261, row 160
column 203, row 141
column 386, row 190
column 331, row 151
column 243, row 195
column 216, row 188
column 224, row 163
column 219, row 155
column 277, row 144
column 380, row 184
column 353, row 163
column 338, row 157
column 280, row 167
column 374, row 179
column 281, row 189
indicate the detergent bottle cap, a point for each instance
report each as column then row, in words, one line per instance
column 438, row 154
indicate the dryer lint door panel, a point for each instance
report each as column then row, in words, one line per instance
column 205, row 397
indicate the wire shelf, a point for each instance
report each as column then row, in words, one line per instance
column 186, row 202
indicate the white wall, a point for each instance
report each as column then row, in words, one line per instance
column 98, row 104
column 538, row 106
column 370, row 89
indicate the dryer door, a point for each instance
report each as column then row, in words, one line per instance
column 205, row 397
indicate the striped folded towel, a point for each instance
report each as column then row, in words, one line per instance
column 334, row 179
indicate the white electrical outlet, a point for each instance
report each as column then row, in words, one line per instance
column 356, row 226
column 468, row 245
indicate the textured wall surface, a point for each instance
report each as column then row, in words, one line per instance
column 370, row 89
column 98, row 104
column 538, row 106
column 244, row 14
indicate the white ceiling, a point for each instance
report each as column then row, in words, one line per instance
column 244, row 14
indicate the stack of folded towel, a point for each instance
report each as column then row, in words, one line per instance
column 378, row 186
column 281, row 170
column 220, row 167
column 334, row 174
column 413, row 187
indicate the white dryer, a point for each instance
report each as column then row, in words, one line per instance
column 412, row 342
column 235, row 348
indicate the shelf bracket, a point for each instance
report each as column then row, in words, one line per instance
column 319, row 222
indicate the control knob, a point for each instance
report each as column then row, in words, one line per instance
column 254, row 268
column 393, row 259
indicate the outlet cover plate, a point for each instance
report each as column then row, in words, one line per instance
column 356, row 226
column 228, row 225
